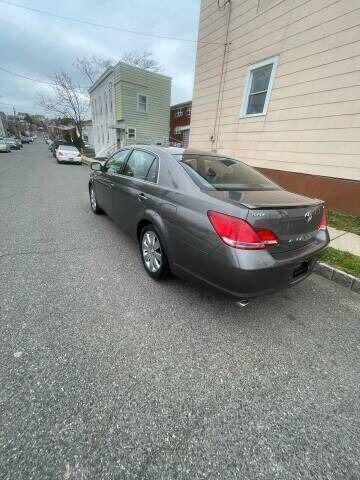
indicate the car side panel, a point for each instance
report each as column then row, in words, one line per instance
column 103, row 189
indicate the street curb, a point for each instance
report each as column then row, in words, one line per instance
column 87, row 160
column 338, row 276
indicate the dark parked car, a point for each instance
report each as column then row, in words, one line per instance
column 209, row 217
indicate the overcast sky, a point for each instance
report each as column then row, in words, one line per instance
column 35, row 45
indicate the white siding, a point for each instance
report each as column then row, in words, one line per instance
column 102, row 105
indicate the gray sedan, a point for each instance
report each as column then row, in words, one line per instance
column 208, row 217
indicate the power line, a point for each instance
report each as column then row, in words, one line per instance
column 25, row 77
column 52, row 84
column 108, row 27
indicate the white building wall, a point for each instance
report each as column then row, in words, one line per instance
column 102, row 103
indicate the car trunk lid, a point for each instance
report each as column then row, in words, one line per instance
column 293, row 218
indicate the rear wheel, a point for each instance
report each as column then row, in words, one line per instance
column 153, row 254
column 93, row 202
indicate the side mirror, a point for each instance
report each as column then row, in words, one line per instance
column 96, row 166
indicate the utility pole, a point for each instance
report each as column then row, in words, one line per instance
column 15, row 122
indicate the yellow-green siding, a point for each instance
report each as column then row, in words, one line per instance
column 152, row 126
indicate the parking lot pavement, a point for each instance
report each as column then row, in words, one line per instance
column 106, row 374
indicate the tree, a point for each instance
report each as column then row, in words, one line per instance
column 92, row 67
column 141, row 60
column 67, row 100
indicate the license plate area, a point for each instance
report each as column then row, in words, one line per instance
column 301, row 269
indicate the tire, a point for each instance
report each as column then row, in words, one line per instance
column 93, row 202
column 153, row 254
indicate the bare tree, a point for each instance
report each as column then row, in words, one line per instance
column 68, row 100
column 92, row 67
column 141, row 60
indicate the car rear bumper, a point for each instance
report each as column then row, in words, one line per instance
column 69, row 160
column 243, row 274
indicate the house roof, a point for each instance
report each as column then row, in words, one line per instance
column 102, row 77
column 183, row 104
column 111, row 69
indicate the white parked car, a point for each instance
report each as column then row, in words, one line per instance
column 68, row 154
column 4, row 146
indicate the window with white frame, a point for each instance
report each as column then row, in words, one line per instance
column 132, row 133
column 258, row 86
column 142, row 103
column 178, row 113
column 177, row 130
column 188, row 111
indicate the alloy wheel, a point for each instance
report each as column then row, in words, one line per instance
column 151, row 251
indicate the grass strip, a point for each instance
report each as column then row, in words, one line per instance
column 341, row 221
column 345, row 261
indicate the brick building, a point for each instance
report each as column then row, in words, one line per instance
column 180, row 116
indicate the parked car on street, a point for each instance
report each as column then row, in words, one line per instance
column 210, row 217
column 13, row 143
column 55, row 145
column 68, row 154
column 4, row 146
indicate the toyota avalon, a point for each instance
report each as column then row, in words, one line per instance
column 209, row 217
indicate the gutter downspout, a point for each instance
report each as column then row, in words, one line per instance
column 215, row 135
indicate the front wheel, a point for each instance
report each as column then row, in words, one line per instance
column 153, row 253
column 93, row 202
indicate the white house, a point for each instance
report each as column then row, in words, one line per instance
column 102, row 103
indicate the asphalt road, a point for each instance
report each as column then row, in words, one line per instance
column 106, row 374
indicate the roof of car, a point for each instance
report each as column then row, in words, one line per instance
column 175, row 150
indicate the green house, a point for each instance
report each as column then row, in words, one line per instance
column 130, row 105
column 142, row 104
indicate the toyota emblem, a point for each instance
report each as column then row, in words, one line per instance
column 308, row 216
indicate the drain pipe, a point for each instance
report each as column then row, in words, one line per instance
column 215, row 134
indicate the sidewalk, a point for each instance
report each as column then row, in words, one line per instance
column 344, row 241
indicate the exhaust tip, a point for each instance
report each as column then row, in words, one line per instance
column 242, row 303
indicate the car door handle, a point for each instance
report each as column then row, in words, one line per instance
column 142, row 197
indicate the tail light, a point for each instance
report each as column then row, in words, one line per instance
column 323, row 223
column 238, row 233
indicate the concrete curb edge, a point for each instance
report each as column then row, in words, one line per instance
column 87, row 160
column 338, row 276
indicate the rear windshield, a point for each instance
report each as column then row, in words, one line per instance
column 222, row 173
column 68, row 147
